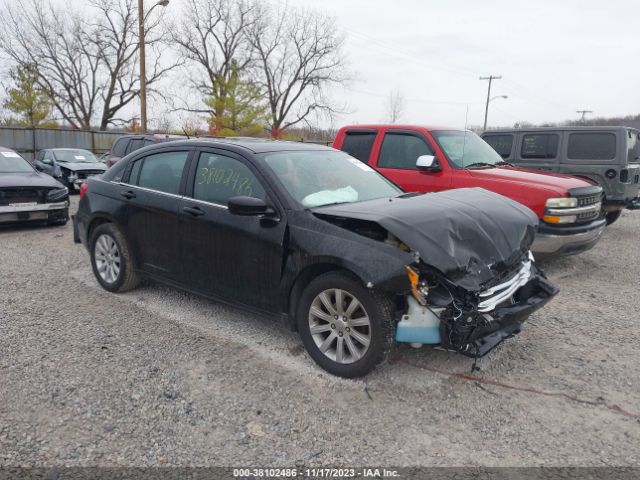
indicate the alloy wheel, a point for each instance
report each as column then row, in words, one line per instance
column 340, row 326
column 107, row 258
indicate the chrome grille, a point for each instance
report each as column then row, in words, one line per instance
column 494, row 296
column 586, row 200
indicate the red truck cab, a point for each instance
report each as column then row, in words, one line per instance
column 430, row 159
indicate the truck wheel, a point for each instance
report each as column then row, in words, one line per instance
column 613, row 216
column 346, row 328
column 111, row 259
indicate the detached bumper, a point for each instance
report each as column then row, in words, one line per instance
column 568, row 240
column 505, row 322
column 34, row 212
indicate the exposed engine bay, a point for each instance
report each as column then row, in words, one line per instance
column 471, row 323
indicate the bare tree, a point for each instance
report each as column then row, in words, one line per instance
column 86, row 65
column 395, row 106
column 53, row 43
column 115, row 35
column 212, row 35
column 299, row 53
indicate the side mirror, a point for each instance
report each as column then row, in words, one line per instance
column 247, row 206
column 427, row 163
column 48, row 161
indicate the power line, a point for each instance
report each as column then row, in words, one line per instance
column 583, row 113
column 491, row 78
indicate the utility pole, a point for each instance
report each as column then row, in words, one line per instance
column 491, row 78
column 143, row 66
column 583, row 113
column 142, row 18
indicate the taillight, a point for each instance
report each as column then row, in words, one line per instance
column 83, row 189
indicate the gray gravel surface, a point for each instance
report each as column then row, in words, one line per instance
column 161, row 377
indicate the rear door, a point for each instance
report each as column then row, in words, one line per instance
column 152, row 194
column 236, row 258
column 397, row 158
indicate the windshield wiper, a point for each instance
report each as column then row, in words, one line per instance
column 480, row 164
column 504, row 164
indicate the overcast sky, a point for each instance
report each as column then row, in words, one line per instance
column 555, row 57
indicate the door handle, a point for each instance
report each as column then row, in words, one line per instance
column 128, row 194
column 195, row 211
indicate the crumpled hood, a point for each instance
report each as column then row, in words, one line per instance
column 30, row 179
column 462, row 232
column 80, row 166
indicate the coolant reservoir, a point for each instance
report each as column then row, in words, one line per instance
column 419, row 325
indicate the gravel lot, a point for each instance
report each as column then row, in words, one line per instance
column 160, row 377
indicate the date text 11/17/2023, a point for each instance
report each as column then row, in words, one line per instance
column 314, row 473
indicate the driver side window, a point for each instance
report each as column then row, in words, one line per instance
column 401, row 151
column 218, row 178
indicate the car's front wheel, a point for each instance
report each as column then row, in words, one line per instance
column 111, row 259
column 613, row 216
column 346, row 328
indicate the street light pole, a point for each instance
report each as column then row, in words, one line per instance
column 491, row 78
column 143, row 74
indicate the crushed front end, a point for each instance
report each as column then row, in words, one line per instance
column 439, row 311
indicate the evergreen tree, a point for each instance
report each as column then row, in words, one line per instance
column 27, row 100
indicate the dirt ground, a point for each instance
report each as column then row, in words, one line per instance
column 160, row 377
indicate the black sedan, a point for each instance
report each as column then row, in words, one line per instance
column 71, row 166
column 27, row 195
column 319, row 239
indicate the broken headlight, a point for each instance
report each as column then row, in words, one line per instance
column 57, row 194
column 419, row 288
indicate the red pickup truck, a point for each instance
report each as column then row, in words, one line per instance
column 429, row 159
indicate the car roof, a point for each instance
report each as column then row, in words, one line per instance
column 394, row 126
column 606, row 128
column 252, row 145
column 5, row 149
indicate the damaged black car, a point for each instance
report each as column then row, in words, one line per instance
column 319, row 239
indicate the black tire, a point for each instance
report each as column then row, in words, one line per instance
column 60, row 222
column 379, row 309
column 613, row 216
column 127, row 278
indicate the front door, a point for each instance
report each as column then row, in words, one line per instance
column 397, row 161
column 236, row 258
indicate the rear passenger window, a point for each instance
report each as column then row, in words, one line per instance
column 120, row 147
column 359, row 145
column 592, row 146
column 135, row 144
column 402, row 151
column 218, row 178
column 162, row 171
column 500, row 143
column 542, row 145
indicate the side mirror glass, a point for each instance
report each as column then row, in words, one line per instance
column 247, row 206
column 428, row 163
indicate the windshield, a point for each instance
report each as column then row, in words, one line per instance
column 74, row 155
column 465, row 149
column 316, row 178
column 11, row 162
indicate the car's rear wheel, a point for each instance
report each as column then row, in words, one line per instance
column 346, row 328
column 111, row 259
